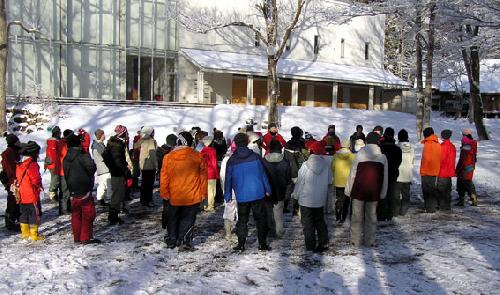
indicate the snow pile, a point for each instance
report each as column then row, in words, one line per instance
column 418, row 253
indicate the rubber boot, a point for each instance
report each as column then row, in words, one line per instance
column 473, row 199
column 228, row 229
column 25, row 231
column 34, row 233
column 53, row 196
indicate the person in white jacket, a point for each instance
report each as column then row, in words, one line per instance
column 402, row 187
column 311, row 192
column 366, row 185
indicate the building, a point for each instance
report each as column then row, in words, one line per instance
column 134, row 50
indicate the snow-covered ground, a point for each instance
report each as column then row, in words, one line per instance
column 417, row 254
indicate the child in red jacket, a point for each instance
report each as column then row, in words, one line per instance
column 29, row 182
column 465, row 169
column 446, row 171
column 210, row 155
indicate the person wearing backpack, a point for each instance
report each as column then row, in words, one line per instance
column 341, row 166
column 295, row 153
column 79, row 175
column 10, row 157
column 148, row 164
column 103, row 177
column 29, row 185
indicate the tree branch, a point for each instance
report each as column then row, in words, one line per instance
column 289, row 29
column 23, row 26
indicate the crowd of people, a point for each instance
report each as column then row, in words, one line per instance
column 364, row 178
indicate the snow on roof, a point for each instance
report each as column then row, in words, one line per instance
column 489, row 79
column 241, row 63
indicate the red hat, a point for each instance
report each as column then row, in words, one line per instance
column 318, row 148
column 120, row 130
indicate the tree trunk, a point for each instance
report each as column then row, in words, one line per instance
column 472, row 64
column 272, row 90
column 3, row 67
column 428, row 71
column 419, row 74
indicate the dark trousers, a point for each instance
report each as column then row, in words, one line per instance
column 64, row 199
column 30, row 213
column 180, row 224
column 401, row 194
column 465, row 186
column 430, row 193
column 147, row 184
column 271, row 224
column 444, row 193
column 164, row 214
column 118, row 192
column 342, row 203
column 12, row 212
column 259, row 215
column 82, row 217
column 313, row 221
column 386, row 207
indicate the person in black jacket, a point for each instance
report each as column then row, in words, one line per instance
column 114, row 158
column 295, row 153
column 386, row 207
column 79, row 174
column 278, row 172
column 355, row 136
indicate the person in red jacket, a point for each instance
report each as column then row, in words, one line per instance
column 446, row 171
column 272, row 134
column 332, row 141
column 465, row 169
column 29, row 181
column 85, row 137
column 210, row 155
column 10, row 157
column 53, row 162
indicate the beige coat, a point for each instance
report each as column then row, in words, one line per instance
column 147, row 157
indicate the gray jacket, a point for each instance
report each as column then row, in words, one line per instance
column 98, row 148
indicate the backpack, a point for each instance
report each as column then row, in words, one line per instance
column 14, row 187
column 107, row 158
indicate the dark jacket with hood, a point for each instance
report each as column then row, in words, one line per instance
column 394, row 157
column 278, row 172
column 295, row 154
column 114, row 157
column 80, row 169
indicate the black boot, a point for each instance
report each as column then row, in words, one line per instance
column 239, row 248
column 460, row 201
column 103, row 203
column 264, row 247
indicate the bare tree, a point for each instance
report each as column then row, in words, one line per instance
column 4, row 46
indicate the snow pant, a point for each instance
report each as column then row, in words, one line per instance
column 363, row 222
column 212, row 190
column 147, row 184
column 180, row 224
column 430, row 193
column 313, row 222
column 259, row 215
column 30, row 213
column 55, row 183
column 12, row 212
column 444, row 193
column 330, row 200
column 64, row 199
column 104, row 187
column 219, row 195
column 82, row 217
column 465, row 186
column 164, row 214
column 385, row 207
column 401, row 198
column 117, row 197
column 342, row 203
column 274, row 217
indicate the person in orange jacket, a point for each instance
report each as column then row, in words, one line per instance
column 184, row 184
column 29, row 182
column 446, row 170
column 429, row 169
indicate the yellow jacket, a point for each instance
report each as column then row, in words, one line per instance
column 341, row 166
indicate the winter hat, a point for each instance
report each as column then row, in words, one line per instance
column 147, row 130
column 218, row 134
column 467, row 131
column 275, row 146
column 30, row 149
column 446, row 134
column 296, row 132
column 389, row 132
column 253, row 137
column 403, row 135
column 73, row 140
column 56, row 130
column 428, row 132
column 358, row 144
column 331, row 126
column 12, row 140
column 346, row 143
column 318, row 148
column 379, row 129
column 184, row 139
column 171, row 140
column 121, row 131
column 271, row 125
column 98, row 134
column 308, row 136
column 358, row 127
column 67, row 133
column 372, row 138
column 207, row 140
column 241, row 139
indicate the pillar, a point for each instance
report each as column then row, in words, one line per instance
column 371, row 94
column 250, row 100
column 335, row 93
column 201, row 86
column 295, row 92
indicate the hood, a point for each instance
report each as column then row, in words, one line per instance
column 405, row 147
column 343, row 154
column 243, row 153
column 255, row 148
column 431, row 138
column 295, row 144
column 274, row 157
column 371, row 151
column 181, row 153
column 73, row 153
column 316, row 164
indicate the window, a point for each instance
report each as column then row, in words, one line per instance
column 288, row 43
column 342, row 48
column 367, row 51
column 257, row 39
column 316, row 44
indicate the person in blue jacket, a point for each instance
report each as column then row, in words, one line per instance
column 246, row 177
